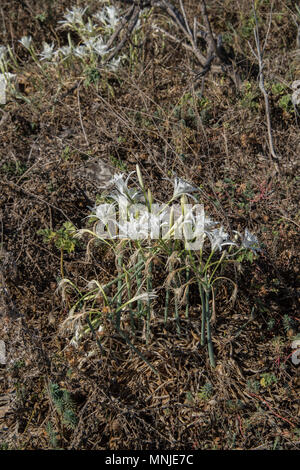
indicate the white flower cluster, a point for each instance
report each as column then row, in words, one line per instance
column 74, row 17
column 141, row 219
column 91, row 40
column 108, row 17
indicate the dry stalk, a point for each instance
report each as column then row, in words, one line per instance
column 259, row 57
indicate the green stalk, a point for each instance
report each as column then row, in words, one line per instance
column 141, row 267
column 120, row 289
column 139, row 283
column 131, row 313
column 149, row 289
column 208, row 331
column 137, row 351
column 187, row 291
column 120, row 263
column 203, row 312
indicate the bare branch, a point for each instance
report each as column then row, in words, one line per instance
column 120, row 27
column 268, row 31
column 213, row 44
column 263, row 90
column 131, row 22
column 185, row 18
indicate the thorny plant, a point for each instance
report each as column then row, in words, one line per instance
column 191, row 249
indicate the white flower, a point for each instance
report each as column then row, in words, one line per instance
column 182, row 187
column 128, row 195
column 26, row 41
column 209, row 223
column 74, row 17
column 105, row 212
column 89, row 42
column 106, row 227
column 89, row 27
column 218, row 238
column 250, row 241
column 109, row 16
column 194, row 226
column 47, row 53
column 135, row 228
column 100, row 47
column 66, row 51
column 97, row 45
column 80, row 51
column 114, row 63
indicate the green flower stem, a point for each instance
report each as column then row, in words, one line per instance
column 120, row 263
column 120, row 289
column 203, row 313
column 187, row 290
column 149, row 289
column 208, row 331
column 131, row 313
column 139, row 283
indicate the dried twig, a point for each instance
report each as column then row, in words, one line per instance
column 259, row 58
column 80, row 118
column 131, row 21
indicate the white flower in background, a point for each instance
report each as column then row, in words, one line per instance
column 89, row 42
column 218, row 238
column 108, row 16
column 105, row 212
column 114, row 64
column 99, row 46
column 119, row 183
column 74, row 17
column 89, row 27
column 65, row 51
column 182, row 187
column 26, row 41
column 48, row 51
column 250, row 241
column 80, row 51
column 107, row 218
column 209, row 223
column 129, row 194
